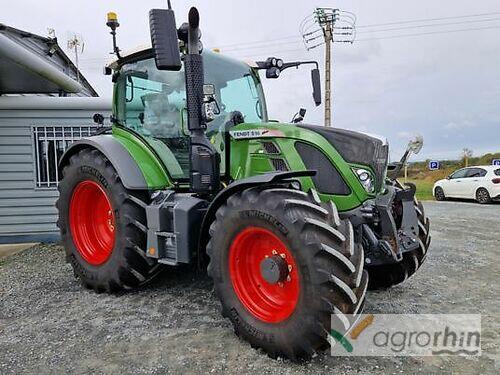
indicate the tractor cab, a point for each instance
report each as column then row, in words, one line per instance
column 152, row 103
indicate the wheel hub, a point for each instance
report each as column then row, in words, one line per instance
column 264, row 274
column 274, row 269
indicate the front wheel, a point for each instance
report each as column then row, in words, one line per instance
column 439, row 194
column 282, row 264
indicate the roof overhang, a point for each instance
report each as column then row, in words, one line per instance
column 25, row 72
column 32, row 64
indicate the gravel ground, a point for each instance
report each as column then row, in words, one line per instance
column 50, row 324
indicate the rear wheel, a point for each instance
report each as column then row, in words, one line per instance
column 387, row 275
column 282, row 264
column 483, row 196
column 103, row 225
column 439, row 194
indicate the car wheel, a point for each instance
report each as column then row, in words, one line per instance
column 439, row 194
column 483, row 196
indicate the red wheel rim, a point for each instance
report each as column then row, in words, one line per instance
column 271, row 303
column 92, row 222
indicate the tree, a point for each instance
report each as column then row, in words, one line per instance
column 466, row 155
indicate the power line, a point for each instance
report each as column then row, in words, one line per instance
column 290, row 37
column 276, row 42
column 395, row 37
column 271, row 43
column 429, row 25
column 431, row 33
column 430, row 19
column 265, row 44
column 260, row 41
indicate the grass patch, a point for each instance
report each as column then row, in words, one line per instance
column 424, row 189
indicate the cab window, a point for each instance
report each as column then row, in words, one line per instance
column 153, row 106
column 240, row 95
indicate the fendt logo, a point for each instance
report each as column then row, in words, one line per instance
column 255, row 133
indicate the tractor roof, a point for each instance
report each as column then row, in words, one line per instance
column 145, row 50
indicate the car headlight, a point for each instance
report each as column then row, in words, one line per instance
column 365, row 178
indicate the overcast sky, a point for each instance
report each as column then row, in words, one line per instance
column 444, row 86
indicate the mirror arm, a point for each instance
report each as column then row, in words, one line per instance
column 404, row 159
column 296, row 64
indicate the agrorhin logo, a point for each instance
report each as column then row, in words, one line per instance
column 406, row 335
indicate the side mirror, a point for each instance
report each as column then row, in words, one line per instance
column 316, row 84
column 299, row 116
column 98, row 118
column 415, row 145
column 164, row 39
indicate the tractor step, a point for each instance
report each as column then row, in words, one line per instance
column 173, row 223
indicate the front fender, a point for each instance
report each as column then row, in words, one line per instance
column 240, row 185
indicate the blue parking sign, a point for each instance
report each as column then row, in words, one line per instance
column 496, row 162
column 433, row 165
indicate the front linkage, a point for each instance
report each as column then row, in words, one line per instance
column 395, row 234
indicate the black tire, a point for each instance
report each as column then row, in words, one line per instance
column 439, row 194
column 127, row 267
column 483, row 196
column 385, row 276
column 330, row 265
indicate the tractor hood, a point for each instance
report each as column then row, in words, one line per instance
column 357, row 148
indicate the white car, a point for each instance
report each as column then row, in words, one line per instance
column 481, row 183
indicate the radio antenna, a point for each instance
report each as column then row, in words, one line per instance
column 169, row 5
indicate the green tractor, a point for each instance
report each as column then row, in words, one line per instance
column 290, row 218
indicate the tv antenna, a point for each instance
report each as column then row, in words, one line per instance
column 77, row 45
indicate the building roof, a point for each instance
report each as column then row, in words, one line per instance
column 32, row 64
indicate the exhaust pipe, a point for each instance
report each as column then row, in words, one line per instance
column 204, row 159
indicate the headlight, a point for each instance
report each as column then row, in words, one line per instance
column 366, row 179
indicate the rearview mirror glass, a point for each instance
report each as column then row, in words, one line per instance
column 316, row 84
column 164, row 39
column 415, row 145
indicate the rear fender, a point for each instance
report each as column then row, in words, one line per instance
column 127, row 168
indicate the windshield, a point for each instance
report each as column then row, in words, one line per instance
column 153, row 102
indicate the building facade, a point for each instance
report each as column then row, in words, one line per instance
column 45, row 104
column 34, row 132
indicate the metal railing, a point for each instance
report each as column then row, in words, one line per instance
column 49, row 144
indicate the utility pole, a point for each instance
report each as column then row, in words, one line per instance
column 327, row 26
column 328, row 72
